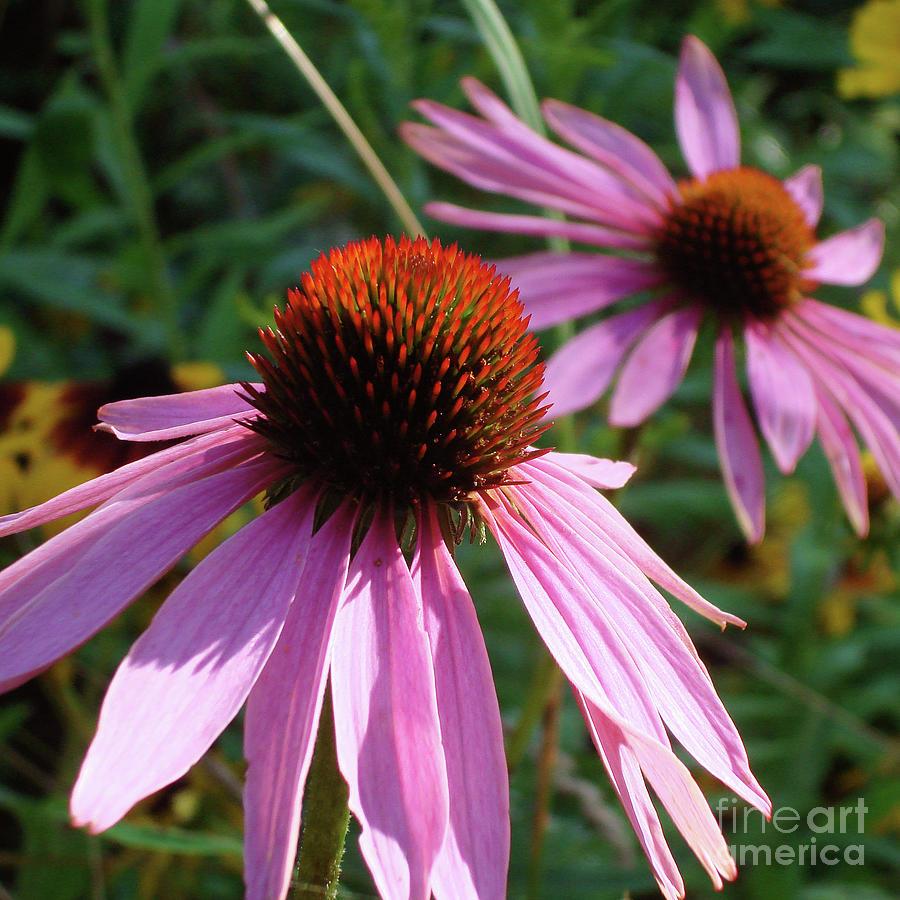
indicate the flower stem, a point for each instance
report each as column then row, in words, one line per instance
column 326, row 819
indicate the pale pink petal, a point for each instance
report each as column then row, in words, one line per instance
column 571, row 622
column 175, row 415
column 520, row 163
column 857, row 333
column 842, row 451
column 855, row 330
column 472, row 863
column 386, row 719
column 538, row 226
column 606, row 474
column 60, row 594
column 805, row 186
column 738, row 448
column 581, row 370
column 655, row 367
column 558, row 287
column 871, row 421
column 783, row 395
column 606, row 523
column 614, row 147
column 280, row 723
column 672, row 675
column 105, row 486
column 678, row 792
column 187, row 676
column 850, row 257
column 625, row 774
column 705, row 118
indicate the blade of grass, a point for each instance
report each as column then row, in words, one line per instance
column 340, row 115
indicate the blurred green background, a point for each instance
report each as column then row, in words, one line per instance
column 166, row 174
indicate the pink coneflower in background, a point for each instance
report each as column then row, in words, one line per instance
column 397, row 410
column 731, row 242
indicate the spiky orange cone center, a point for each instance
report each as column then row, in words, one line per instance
column 400, row 371
column 736, row 242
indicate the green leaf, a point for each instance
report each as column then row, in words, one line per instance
column 174, row 840
column 148, row 30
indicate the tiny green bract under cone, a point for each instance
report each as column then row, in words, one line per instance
column 400, row 371
column 737, row 242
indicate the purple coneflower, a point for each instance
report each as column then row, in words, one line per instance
column 397, row 410
column 731, row 241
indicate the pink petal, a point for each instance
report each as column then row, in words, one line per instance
column 519, row 162
column 187, row 676
column 805, row 186
column 571, row 622
column 57, row 596
column 872, row 422
column 655, row 367
column 608, row 524
column 842, row 451
column 175, row 415
column 606, row 474
column 783, row 394
column 705, row 118
column 283, row 709
column 557, row 287
column 541, row 227
column 857, row 333
column 472, row 863
column 614, row 147
column 581, row 370
column 105, row 486
column 672, row 675
column 737, row 445
column 386, row 719
column 621, row 747
column 850, row 257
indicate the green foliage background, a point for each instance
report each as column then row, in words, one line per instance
column 166, row 174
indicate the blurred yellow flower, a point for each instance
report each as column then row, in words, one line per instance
column 875, row 42
column 7, row 348
column 875, row 303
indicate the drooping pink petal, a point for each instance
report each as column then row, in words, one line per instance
column 56, row 597
column 850, row 257
column 386, row 719
column 655, row 367
column 857, row 333
column 671, row 671
column 289, row 692
column 625, row 774
column 557, row 287
column 175, row 415
column 871, row 421
column 539, row 226
column 520, row 163
column 571, row 622
column 783, row 395
column 842, row 452
column 606, row 523
column 473, row 861
column 606, row 474
column 738, row 448
column 614, row 147
column 623, row 745
column 581, row 370
column 705, row 118
column 187, row 676
column 805, row 186
column 99, row 489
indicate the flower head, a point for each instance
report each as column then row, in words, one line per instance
column 371, row 465
column 875, row 42
column 730, row 243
